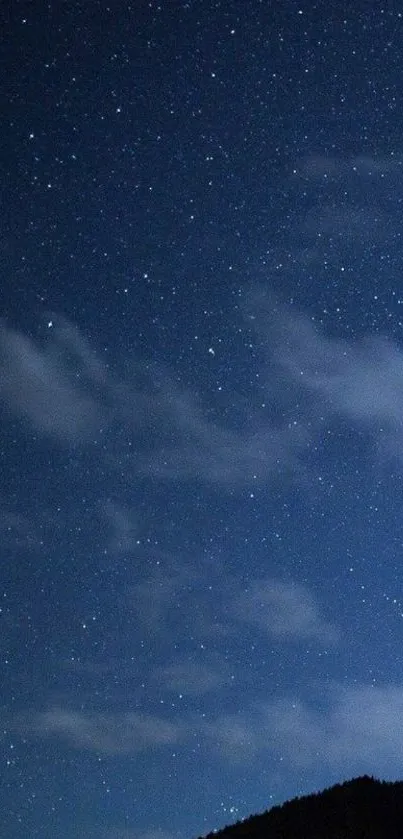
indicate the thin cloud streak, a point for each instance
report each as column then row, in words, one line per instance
column 194, row 679
column 109, row 733
column 286, row 611
column 358, row 731
column 360, row 381
column 51, row 386
column 64, row 391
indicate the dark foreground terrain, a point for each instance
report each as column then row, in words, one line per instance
column 363, row 808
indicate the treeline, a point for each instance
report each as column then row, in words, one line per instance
column 364, row 808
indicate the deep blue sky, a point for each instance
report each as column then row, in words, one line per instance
column 201, row 406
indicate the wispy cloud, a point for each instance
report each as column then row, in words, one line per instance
column 358, row 730
column 312, row 378
column 314, row 167
column 52, row 384
column 193, row 678
column 109, row 733
column 363, row 380
column 115, row 831
column 154, row 834
column 359, row 380
column 174, row 597
column 209, row 452
column 123, row 525
column 64, row 390
column 17, row 531
column 158, row 600
column 363, row 216
column 234, row 737
column 285, row 611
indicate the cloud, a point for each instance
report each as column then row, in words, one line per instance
column 194, row 678
column 359, row 381
column 172, row 598
column 285, row 611
column 345, row 224
column 157, row 833
column 213, row 453
column 124, row 526
column 114, row 831
column 175, row 598
column 368, row 386
column 110, row 733
column 362, row 217
column 151, row 600
column 362, row 380
column 358, row 730
column 233, row 737
column 53, row 385
column 66, row 392
column 18, row 531
column 318, row 167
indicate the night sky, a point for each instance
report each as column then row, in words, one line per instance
column 201, row 407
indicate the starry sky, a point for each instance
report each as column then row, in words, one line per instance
column 201, row 407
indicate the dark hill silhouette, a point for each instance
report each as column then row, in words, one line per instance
column 363, row 808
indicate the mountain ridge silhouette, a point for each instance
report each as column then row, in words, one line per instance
column 362, row 808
